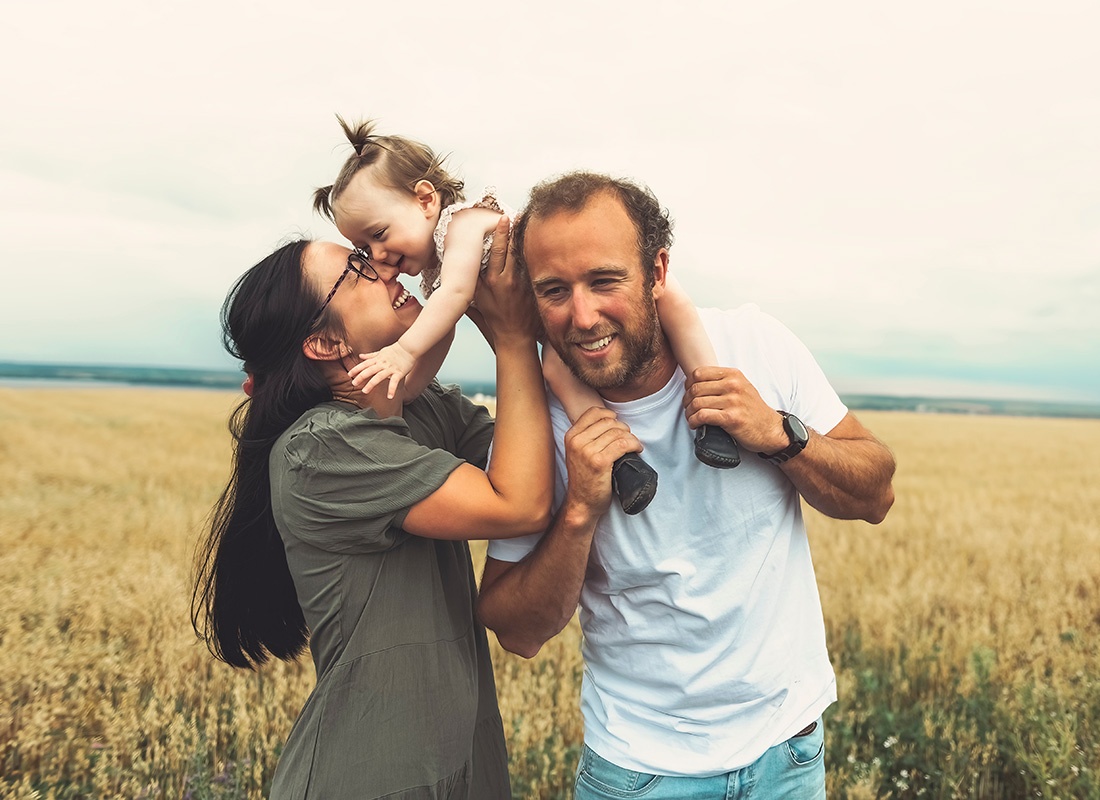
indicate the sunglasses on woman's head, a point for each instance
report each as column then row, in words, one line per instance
column 359, row 263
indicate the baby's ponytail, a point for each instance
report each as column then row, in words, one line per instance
column 401, row 162
column 362, row 138
column 322, row 202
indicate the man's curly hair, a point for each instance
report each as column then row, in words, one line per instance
column 571, row 192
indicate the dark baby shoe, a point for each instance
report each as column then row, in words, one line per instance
column 716, row 448
column 634, row 481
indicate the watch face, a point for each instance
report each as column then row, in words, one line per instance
column 796, row 429
column 798, row 435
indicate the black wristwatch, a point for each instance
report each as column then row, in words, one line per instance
column 798, row 435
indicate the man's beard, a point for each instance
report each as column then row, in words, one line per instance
column 639, row 348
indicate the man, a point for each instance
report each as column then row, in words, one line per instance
column 706, row 671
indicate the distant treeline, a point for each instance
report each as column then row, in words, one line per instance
column 231, row 379
column 934, row 405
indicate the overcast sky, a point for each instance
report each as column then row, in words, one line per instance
column 914, row 188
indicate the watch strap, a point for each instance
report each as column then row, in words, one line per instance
column 790, row 451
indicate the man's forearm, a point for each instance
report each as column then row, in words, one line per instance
column 845, row 478
column 529, row 602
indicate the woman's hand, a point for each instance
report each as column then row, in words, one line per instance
column 504, row 299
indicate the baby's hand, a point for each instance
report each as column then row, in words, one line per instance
column 392, row 363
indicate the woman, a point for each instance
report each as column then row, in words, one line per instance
column 345, row 520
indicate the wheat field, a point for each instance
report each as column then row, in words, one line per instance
column 964, row 629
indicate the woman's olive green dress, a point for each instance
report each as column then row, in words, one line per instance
column 405, row 704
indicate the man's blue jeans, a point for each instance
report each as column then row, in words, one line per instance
column 792, row 770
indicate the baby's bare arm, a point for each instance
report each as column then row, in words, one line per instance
column 458, row 277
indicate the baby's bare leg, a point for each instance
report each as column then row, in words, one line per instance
column 681, row 323
column 634, row 481
column 690, row 344
column 575, row 397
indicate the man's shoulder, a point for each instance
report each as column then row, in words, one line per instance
column 744, row 323
column 744, row 314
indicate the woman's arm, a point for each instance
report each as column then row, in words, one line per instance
column 512, row 497
column 458, row 273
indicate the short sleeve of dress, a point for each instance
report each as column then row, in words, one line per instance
column 472, row 423
column 429, row 277
column 344, row 480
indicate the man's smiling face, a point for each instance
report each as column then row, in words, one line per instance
column 595, row 299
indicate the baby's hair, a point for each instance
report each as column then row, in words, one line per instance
column 401, row 163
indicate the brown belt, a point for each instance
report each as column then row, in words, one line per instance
column 807, row 730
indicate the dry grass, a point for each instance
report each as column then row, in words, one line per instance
column 964, row 630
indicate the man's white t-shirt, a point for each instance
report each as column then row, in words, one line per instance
column 704, row 643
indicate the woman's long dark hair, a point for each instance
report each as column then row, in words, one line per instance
column 244, row 604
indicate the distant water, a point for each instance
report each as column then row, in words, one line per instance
column 16, row 374
column 46, row 375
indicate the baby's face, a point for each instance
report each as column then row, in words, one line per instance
column 394, row 226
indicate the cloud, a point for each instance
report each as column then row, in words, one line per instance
column 905, row 187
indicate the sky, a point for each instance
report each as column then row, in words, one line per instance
column 912, row 188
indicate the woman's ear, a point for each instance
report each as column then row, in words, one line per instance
column 427, row 197
column 319, row 347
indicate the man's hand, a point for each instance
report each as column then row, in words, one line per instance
column 845, row 474
column 592, row 445
column 724, row 397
